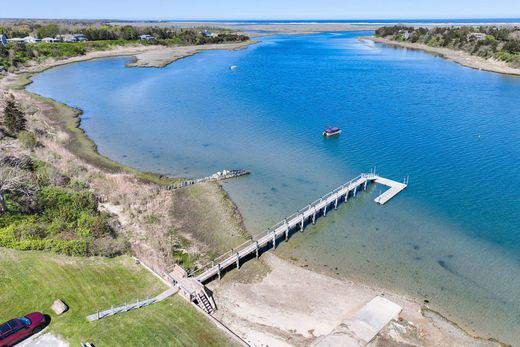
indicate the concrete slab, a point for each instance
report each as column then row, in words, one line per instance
column 44, row 340
column 361, row 328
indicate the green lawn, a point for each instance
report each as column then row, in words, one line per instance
column 31, row 281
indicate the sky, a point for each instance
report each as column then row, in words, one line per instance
column 260, row 9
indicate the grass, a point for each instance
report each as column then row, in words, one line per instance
column 68, row 119
column 31, row 281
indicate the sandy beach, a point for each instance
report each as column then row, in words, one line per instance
column 272, row 302
column 459, row 57
column 167, row 55
column 253, row 29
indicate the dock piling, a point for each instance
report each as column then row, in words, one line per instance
column 297, row 221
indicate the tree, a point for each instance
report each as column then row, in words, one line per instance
column 15, row 180
column 14, row 119
column 512, row 46
column 50, row 30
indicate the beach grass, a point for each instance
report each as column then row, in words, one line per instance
column 31, row 281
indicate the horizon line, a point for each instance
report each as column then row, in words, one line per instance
column 264, row 19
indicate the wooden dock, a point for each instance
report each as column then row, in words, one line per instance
column 296, row 222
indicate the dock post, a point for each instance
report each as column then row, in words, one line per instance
column 346, row 195
column 302, row 222
column 286, row 234
column 238, row 261
column 355, row 190
column 325, row 209
column 257, row 249
column 274, row 239
column 314, row 216
column 336, row 203
column 218, row 271
column 365, row 187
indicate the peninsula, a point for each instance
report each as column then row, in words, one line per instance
column 490, row 48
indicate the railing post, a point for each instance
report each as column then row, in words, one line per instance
column 314, row 216
column 302, row 222
column 218, row 271
column 257, row 249
column 365, row 187
column 336, row 203
column 238, row 260
column 325, row 209
column 274, row 239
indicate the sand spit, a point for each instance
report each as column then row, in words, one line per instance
column 146, row 56
column 167, row 55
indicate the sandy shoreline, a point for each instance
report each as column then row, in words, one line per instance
column 268, row 28
column 459, row 57
column 166, row 56
column 146, row 56
column 280, row 306
column 287, row 305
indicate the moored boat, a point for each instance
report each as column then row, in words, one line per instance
column 331, row 131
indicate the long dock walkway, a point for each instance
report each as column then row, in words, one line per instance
column 297, row 222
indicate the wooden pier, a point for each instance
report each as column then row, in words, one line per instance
column 297, row 222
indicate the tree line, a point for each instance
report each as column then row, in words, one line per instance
column 502, row 42
column 100, row 36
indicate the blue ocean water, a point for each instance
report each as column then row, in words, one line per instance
column 452, row 237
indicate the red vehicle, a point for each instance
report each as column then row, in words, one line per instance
column 18, row 329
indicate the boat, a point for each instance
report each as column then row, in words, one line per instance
column 331, row 131
column 232, row 67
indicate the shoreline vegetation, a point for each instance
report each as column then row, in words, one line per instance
column 493, row 49
column 181, row 226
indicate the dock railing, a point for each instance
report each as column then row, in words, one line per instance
column 196, row 272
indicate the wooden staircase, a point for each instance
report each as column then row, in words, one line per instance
column 204, row 302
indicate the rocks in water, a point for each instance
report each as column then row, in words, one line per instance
column 59, row 307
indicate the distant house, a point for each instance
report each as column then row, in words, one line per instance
column 49, row 39
column 30, row 39
column 71, row 38
column 16, row 40
column 207, row 33
column 147, row 38
column 476, row 36
column 80, row 37
column 405, row 33
column 65, row 38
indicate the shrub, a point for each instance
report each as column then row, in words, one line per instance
column 14, row 119
column 27, row 139
column 29, row 231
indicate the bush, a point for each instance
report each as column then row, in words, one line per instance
column 14, row 119
column 68, row 247
column 27, row 139
column 30, row 231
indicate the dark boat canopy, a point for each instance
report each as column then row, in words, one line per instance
column 332, row 130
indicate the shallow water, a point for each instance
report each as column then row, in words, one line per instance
column 452, row 237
